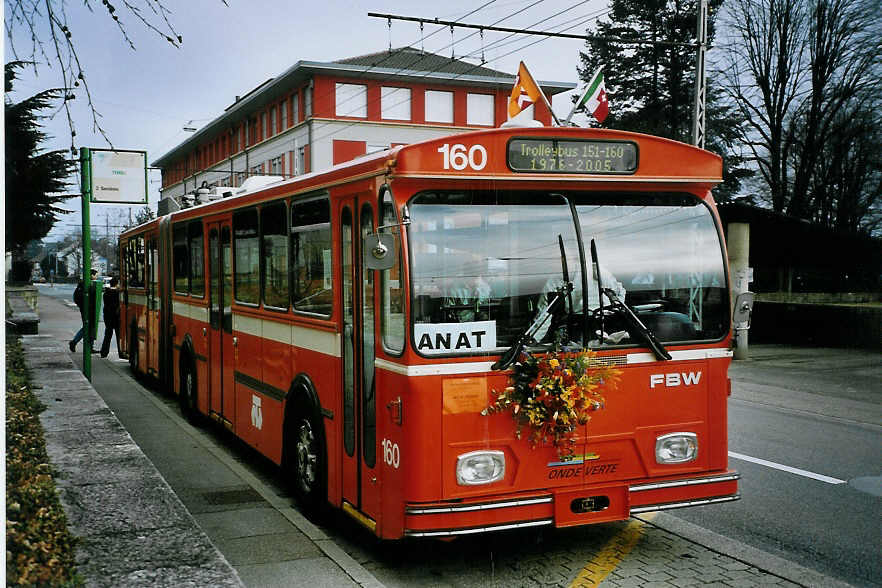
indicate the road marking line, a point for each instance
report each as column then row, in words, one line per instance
column 784, row 468
column 612, row 554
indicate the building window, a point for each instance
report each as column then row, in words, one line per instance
column 311, row 257
column 283, row 108
column 395, row 103
column 276, row 166
column 351, row 100
column 479, row 110
column 273, row 130
column 274, row 233
column 246, row 254
column 307, row 102
column 300, row 162
column 252, row 132
column 295, row 108
column 439, row 106
column 263, row 126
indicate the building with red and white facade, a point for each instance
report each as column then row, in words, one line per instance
column 316, row 114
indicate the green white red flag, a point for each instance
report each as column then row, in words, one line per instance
column 594, row 99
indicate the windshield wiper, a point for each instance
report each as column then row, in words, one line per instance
column 560, row 294
column 635, row 323
column 619, row 306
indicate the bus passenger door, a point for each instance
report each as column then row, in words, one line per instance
column 361, row 476
column 220, row 346
column 153, row 303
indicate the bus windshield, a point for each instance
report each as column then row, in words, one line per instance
column 485, row 264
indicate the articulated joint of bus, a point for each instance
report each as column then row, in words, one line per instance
column 567, row 507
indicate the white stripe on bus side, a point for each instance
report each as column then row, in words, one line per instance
column 191, row 311
column 316, row 340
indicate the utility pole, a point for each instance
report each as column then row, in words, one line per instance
column 698, row 110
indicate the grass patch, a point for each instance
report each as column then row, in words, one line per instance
column 39, row 547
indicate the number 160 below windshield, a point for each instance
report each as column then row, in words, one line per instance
column 485, row 264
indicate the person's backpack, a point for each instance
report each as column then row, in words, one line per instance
column 78, row 295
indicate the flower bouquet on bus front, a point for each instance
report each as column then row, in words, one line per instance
column 554, row 394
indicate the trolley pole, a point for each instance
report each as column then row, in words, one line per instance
column 698, row 109
column 86, row 195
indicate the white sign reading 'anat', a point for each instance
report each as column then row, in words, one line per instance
column 437, row 339
column 119, row 177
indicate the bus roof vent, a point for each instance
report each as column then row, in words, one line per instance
column 219, row 192
column 525, row 122
column 257, row 182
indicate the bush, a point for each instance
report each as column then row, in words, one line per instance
column 39, row 547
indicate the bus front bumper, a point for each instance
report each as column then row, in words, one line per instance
column 566, row 507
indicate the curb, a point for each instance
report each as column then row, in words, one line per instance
column 767, row 562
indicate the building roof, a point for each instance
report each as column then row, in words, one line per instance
column 412, row 59
column 405, row 64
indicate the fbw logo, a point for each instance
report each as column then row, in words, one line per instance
column 256, row 412
column 674, row 379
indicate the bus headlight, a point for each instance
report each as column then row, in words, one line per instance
column 676, row 448
column 480, row 467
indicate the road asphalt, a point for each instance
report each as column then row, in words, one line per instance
column 207, row 521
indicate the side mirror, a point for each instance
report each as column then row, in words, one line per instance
column 743, row 310
column 379, row 251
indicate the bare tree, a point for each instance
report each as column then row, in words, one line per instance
column 805, row 75
column 763, row 73
column 846, row 56
column 51, row 41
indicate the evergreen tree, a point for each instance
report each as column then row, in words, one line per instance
column 651, row 85
column 34, row 178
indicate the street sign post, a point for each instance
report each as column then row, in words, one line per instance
column 107, row 176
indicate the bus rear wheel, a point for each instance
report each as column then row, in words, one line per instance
column 307, row 465
column 133, row 351
column 188, row 394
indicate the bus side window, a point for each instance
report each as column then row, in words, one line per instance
column 274, row 249
column 197, row 271
column 246, row 287
column 391, row 288
column 180, row 259
column 311, row 257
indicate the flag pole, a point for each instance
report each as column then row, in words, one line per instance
column 548, row 105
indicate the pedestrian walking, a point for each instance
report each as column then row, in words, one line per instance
column 88, row 318
column 111, row 316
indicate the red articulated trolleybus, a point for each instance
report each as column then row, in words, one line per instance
column 347, row 323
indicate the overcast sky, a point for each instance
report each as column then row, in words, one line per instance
column 148, row 95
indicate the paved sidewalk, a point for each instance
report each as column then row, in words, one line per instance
column 133, row 529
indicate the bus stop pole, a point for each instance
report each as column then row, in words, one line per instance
column 86, row 194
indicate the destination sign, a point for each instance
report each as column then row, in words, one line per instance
column 572, row 156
